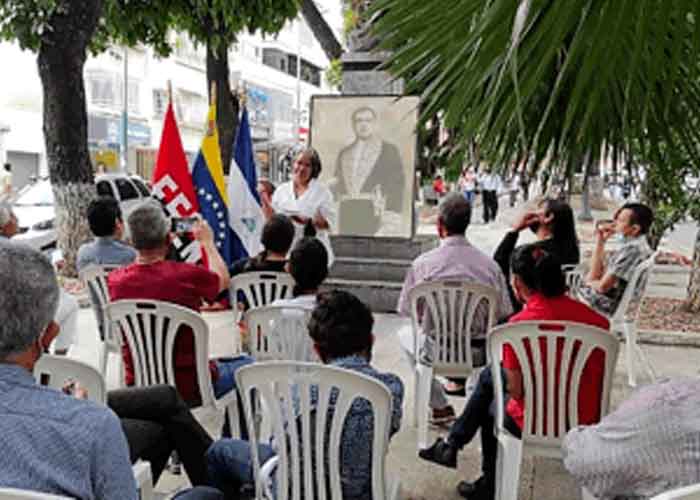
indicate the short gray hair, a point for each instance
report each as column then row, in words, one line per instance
column 148, row 225
column 6, row 213
column 454, row 213
column 28, row 297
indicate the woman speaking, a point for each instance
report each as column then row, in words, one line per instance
column 305, row 200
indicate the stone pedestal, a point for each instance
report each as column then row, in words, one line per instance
column 374, row 268
column 362, row 76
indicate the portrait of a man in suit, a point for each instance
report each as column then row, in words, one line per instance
column 369, row 168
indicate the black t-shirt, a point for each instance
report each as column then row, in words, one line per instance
column 256, row 264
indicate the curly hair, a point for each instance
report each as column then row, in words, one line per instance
column 341, row 325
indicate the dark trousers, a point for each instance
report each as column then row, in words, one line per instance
column 478, row 415
column 156, row 422
column 490, row 205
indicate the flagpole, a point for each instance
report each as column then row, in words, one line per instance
column 170, row 91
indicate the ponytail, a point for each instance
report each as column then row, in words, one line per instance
column 540, row 270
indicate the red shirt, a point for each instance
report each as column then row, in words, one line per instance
column 439, row 186
column 562, row 308
column 177, row 282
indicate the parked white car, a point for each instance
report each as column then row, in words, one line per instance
column 34, row 206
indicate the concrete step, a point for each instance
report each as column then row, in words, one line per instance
column 382, row 248
column 357, row 268
column 381, row 296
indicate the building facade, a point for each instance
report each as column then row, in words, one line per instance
column 278, row 98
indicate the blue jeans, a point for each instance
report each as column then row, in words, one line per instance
column 469, row 196
column 226, row 381
column 230, row 464
column 227, row 368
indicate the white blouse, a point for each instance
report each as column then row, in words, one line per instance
column 316, row 198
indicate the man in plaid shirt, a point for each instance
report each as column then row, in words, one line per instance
column 607, row 280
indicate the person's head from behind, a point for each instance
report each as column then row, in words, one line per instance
column 535, row 271
column 308, row 265
column 341, row 326
column 28, row 304
column 149, row 228
column 454, row 215
column 278, row 234
column 105, row 217
column 633, row 219
column 8, row 221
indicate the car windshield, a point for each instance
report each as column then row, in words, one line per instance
column 40, row 194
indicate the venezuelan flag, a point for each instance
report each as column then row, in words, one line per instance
column 208, row 180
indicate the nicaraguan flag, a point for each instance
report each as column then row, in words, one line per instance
column 244, row 209
column 208, row 180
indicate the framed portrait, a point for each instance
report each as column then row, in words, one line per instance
column 367, row 146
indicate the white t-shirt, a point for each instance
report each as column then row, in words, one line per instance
column 317, row 198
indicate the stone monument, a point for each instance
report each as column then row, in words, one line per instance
column 373, row 268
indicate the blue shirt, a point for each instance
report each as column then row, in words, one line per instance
column 356, row 448
column 55, row 443
column 105, row 250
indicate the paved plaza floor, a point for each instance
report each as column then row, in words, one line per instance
column 540, row 479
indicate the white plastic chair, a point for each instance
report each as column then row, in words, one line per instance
column 541, row 437
column 95, row 279
column 624, row 324
column 149, row 328
column 445, row 311
column 15, row 494
column 686, row 493
column 279, row 333
column 262, row 288
column 54, row 371
column 285, row 388
column 574, row 276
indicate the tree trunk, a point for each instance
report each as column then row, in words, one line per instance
column 693, row 302
column 61, row 59
column 226, row 101
column 322, row 32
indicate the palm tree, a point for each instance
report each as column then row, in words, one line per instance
column 572, row 81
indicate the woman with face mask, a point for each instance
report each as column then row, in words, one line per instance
column 554, row 227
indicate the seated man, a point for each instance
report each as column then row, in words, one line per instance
column 8, row 222
column 454, row 259
column 105, row 219
column 152, row 277
column 341, row 328
column 68, row 307
column 606, row 281
column 308, row 265
column 277, row 236
column 539, row 284
column 52, row 442
column 647, row 446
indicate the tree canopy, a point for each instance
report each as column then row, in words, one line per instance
column 560, row 79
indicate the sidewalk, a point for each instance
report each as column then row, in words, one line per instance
column 540, row 479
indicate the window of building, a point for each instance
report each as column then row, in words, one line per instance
column 160, row 102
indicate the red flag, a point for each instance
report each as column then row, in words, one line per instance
column 172, row 182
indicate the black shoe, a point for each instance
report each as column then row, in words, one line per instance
column 478, row 490
column 441, row 452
